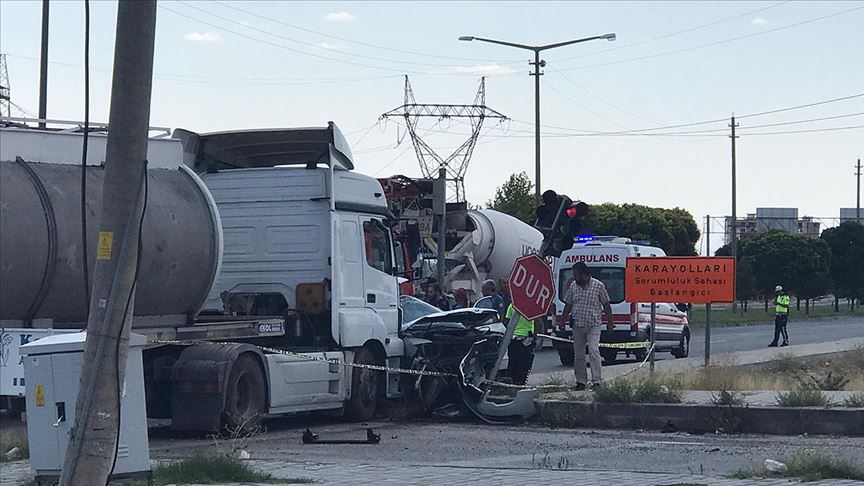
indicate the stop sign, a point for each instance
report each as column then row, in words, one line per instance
column 531, row 286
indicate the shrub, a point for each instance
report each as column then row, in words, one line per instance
column 854, row 401
column 210, row 469
column 647, row 390
column 803, row 397
column 9, row 441
column 808, row 465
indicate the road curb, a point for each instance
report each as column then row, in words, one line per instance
column 698, row 418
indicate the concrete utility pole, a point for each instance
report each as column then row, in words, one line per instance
column 858, row 192
column 439, row 203
column 90, row 453
column 43, row 67
column 734, row 242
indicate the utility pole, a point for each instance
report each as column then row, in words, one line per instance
column 43, row 67
column 858, row 192
column 708, row 305
column 439, row 193
column 537, row 73
column 734, row 125
column 91, row 450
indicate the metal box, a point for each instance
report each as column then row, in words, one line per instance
column 52, row 369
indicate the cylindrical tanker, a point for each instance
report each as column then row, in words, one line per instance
column 41, row 269
column 499, row 240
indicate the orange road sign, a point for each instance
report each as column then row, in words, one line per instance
column 695, row 280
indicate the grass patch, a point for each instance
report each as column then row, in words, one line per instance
column 808, row 465
column 640, row 390
column 756, row 314
column 844, row 371
column 9, row 441
column 211, row 469
column 803, row 397
column 727, row 398
column 854, row 401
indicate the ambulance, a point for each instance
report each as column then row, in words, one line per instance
column 606, row 258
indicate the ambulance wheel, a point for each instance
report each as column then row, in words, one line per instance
column 683, row 349
column 565, row 354
column 244, row 398
column 609, row 355
column 365, row 388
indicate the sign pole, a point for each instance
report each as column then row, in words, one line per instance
column 504, row 344
column 708, row 305
column 653, row 334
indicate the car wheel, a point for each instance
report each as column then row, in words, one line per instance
column 565, row 354
column 683, row 349
column 365, row 388
column 245, row 396
column 609, row 355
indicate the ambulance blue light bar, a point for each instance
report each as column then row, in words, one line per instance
column 583, row 238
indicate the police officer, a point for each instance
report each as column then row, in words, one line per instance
column 781, row 316
column 521, row 349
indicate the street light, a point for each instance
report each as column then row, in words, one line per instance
column 537, row 65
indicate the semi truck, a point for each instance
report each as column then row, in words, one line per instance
column 252, row 240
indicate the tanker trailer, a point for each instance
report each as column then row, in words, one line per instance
column 42, row 282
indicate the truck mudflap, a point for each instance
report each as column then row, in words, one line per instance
column 479, row 402
column 199, row 384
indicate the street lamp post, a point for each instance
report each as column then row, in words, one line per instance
column 537, row 63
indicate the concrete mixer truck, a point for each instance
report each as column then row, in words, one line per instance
column 267, row 239
column 480, row 243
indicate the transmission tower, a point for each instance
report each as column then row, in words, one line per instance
column 5, row 100
column 456, row 164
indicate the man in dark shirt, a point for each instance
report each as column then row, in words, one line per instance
column 436, row 297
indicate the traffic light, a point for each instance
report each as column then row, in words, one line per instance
column 559, row 218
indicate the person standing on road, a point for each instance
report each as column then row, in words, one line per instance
column 521, row 349
column 585, row 302
column 781, row 316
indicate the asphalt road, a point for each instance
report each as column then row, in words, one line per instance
column 471, row 445
column 726, row 340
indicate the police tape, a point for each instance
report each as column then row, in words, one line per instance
column 643, row 344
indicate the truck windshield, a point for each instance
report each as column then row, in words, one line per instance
column 612, row 277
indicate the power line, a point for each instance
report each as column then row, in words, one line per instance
column 307, row 44
column 808, row 105
column 852, row 127
column 711, row 44
column 804, row 121
column 367, row 44
column 673, row 34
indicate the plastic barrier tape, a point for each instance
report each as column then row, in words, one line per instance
column 644, row 344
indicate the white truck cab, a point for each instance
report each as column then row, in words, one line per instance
column 606, row 258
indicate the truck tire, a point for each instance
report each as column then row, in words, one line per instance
column 244, row 396
column 609, row 354
column 565, row 354
column 365, row 388
column 683, row 349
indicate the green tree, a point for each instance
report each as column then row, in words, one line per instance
column 673, row 230
column 847, row 259
column 516, row 198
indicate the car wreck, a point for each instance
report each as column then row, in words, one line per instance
column 459, row 348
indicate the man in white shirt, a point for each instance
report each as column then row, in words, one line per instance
column 585, row 301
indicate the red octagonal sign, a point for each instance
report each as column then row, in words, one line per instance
column 531, row 286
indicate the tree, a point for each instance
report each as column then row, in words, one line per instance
column 798, row 263
column 516, row 198
column 673, row 230
column 847, row 259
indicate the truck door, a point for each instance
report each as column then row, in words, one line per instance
column 380, row 286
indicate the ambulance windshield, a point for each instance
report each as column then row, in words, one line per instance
column 612, row 277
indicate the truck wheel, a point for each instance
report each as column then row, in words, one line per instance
column 244, row 396
column 365, row 388
column 683, row 349
column 565, row 354
column 608, row 354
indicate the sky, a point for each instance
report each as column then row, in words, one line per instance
column 688, row 66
